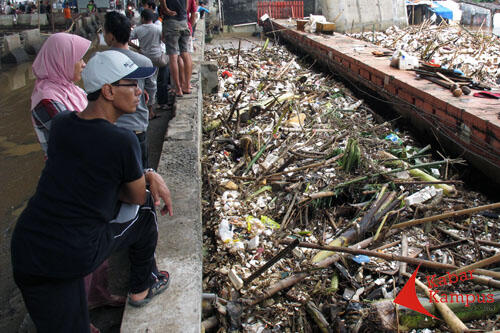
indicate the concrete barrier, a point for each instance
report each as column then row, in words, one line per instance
column 209, row 79
column 59, row 19
column 6, row 20
column 88, row 26
column 14, row 51
column 23, row 19
column 354, row 16
column 32, row 41
column 79, row 29
column 31, row 20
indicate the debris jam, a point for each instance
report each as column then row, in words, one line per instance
column 475, row 53
column 292, row 161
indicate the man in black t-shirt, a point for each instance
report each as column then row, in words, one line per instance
column 87, row 203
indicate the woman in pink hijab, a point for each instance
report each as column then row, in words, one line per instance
column 57, row 67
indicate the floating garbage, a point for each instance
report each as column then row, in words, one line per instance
column 290, row 154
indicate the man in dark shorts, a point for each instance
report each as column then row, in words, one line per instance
column 87, row 202
column 177, row 38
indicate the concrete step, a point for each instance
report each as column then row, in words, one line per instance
column 180, row 237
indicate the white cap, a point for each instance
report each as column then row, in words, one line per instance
column 110, row 66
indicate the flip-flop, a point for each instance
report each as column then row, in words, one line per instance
column 488, row 94
column 186, row 93
column 157, row 288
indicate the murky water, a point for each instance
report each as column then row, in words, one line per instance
column 21, row 162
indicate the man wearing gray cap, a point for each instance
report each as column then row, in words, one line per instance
column 87, row 202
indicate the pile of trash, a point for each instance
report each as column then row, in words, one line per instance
column 291, row 156
column 475, row 53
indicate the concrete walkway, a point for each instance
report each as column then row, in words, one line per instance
column 180, row 236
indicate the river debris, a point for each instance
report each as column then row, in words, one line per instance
column 474, row 53
column 292, row 158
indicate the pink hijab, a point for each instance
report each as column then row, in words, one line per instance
column 54, row 68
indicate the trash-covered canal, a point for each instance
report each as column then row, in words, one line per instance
column 289, row 155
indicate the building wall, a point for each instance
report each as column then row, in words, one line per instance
column 245, row 11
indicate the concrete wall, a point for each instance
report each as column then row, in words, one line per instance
column 358, row 15
column 245, row 11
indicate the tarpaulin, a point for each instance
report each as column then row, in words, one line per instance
column 441, row 11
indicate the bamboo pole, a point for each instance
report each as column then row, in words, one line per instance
column 483, row 263
column 386, row 256
column 456, row 325
column 445, row 215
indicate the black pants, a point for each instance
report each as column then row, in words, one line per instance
column 60, row 305
column 143, row 143
column 162, row 85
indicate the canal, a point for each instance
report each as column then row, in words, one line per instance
column 21, row 162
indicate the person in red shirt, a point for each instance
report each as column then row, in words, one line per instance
column 67, row 16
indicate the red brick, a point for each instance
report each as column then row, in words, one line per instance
column 445, row 118
column 405, row 95
column 420, row 104
column 377, row 80
column 391, row 89
column 436, row 102
column 365, row 74
column 474, row 122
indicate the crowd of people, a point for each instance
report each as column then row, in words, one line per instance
column 97, row 192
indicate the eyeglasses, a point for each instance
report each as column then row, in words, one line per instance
column 136, row 84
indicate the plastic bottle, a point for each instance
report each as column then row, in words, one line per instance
column 225, row 231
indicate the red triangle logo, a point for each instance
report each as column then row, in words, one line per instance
column 408, row 296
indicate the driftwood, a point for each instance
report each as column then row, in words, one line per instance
column 456, row 325
column 382, row 314
column 409, row 260
column 384, row 203
column 446, row 215
column 296, row 278
column 318, row 318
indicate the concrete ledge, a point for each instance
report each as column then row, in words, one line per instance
column 14, row 51
column 180, row 236
column 6, row 20
column 32, row 40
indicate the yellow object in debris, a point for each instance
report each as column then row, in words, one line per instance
column 269, row 222
column 230, row 185
column 296, row 121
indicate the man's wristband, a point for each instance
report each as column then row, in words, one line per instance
column 149, row 170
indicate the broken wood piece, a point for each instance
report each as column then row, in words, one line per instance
column 418, row 173
column 384, row 203
column 474, row 267
column 318, row 317
column 446, row 215
column 273, row 260
column 386, row 256
column 456, row 325
column 382, row 313
column 235, row 279
column 470, row 241
column 404, row 253
column 296, row 278
column 209, row 323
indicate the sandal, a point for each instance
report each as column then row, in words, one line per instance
column 157, row 288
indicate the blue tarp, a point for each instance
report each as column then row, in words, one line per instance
column 441, row 11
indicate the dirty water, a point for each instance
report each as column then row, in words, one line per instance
column 21, row 162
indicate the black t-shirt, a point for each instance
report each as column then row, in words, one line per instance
column 178, row 6
column 65, row 223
